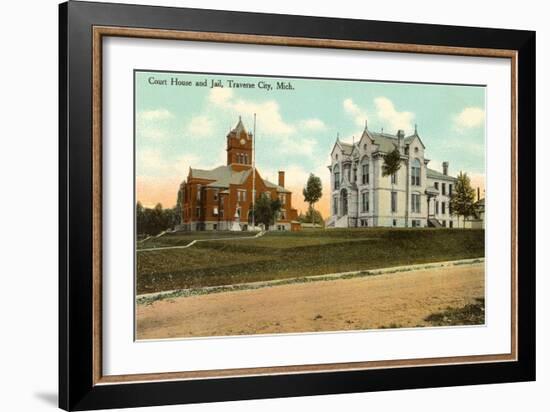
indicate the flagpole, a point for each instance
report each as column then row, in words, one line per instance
column 254, row 175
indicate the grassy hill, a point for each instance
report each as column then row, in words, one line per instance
column 280, row 255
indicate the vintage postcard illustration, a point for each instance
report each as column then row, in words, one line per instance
column 272, row 205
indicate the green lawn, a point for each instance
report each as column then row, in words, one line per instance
column 279, row 255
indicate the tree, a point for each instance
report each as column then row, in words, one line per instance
column 140, row 218
column 392, row 163
column 313, row 192
column 153, row 221
column 179, row 203
column 462, row 198
column 265, row 210
column 311, row 216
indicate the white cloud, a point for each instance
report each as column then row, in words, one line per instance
column 359, row 115
column 470, row 117
column 200, row 126
column 151, row 162
column 388, row 115
column 270, row 123
column 220, row 95
column 155, row 115
column 313, row 124
column 151, row 124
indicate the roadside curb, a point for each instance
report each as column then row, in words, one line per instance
column 149, row 298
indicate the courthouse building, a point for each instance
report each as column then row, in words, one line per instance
column 416, row 196
column 221, row 198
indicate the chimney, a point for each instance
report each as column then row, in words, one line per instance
column 281, row 178
column 400, row 138
column 445, row 168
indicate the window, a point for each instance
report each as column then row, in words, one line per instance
column 415, row 173
column 414, row 223
column 215, row 211
column 336, row 177
column 394, row 179
column 335, row 205
column 450, row 189
column 442, row 208
column 282, row 198
column 216, row 195
column 443, row 189
column 199, row 192
column 394, row 223
column 347, row 169
column 436, row 207
column 364, row 222
column 451, row 224
column 215, row 226
column 355, row 174
column 436, row 185
column 444, row 223
column 415, row 202
column 198, row 212
column 365, row 201
column 394, row 202
column 240, row 195
column 365, row 172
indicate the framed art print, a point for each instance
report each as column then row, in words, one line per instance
column 259, row 205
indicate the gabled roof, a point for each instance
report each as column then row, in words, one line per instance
column 434, row 174
column 222, row 176
column 386, row 142
column 346, row 148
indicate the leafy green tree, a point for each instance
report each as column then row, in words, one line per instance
column 312, row 193
column 266, row 210
column 463, row 198
column 311, row 216
column 156, row 220
column 392, row 163
column 140, row 218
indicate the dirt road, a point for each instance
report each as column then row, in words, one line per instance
column 398, row 299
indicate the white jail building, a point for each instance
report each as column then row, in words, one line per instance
column 416, row 196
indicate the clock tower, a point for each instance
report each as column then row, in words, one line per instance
column 239, row 147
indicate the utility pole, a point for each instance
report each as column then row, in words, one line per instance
column 254, row 175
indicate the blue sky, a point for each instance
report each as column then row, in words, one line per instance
column 182, row 126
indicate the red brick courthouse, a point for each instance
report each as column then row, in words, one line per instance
column 220, row 199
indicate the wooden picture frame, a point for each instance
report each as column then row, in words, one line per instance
column 82, row 385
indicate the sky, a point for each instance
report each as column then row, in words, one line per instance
column 182, row 122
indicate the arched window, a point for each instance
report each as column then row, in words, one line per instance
column 365, row 177
column 336, row 177
column 415, row 173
